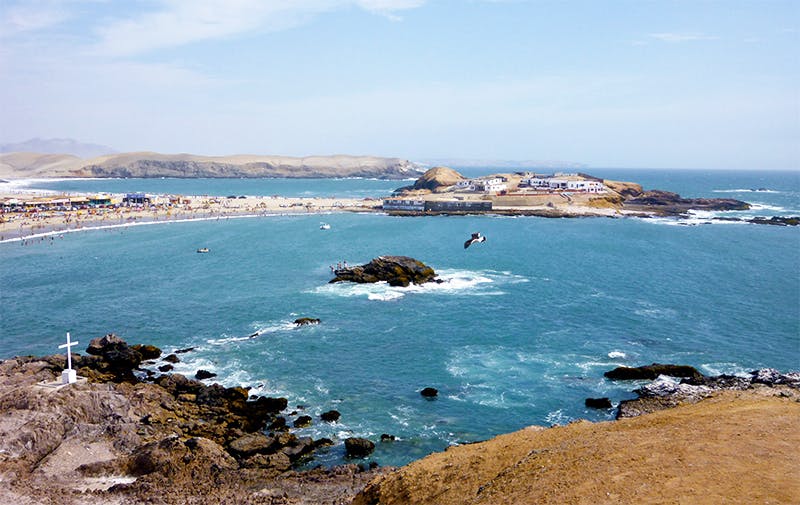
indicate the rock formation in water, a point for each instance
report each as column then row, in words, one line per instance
column 395, row 270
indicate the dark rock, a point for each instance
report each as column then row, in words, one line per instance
column 204, row 374
column 772, row 377
column 182, row 351
column 306, row 320
column 172, row 358
column 665, row 202
column 252, row 443
column 651, row 372
column 358, row 447
column 322, row 442
column 279, row 424
column 147, row 351
column 299, row 448
column 719, row 382
column 598, row 403
column 387, row 438
column 170, row 456
column 272, row 405
column 331, row 416
column 776, row 220
column 302, row 422
column 98, row 345
column 165, row 368
column 395, row 270
column 429, row 392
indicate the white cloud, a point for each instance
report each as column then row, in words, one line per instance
column 16, row 19
column 178, row 22
column 672, row 37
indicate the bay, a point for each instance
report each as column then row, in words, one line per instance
column 519, row 334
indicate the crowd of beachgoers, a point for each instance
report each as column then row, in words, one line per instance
column 26, row 222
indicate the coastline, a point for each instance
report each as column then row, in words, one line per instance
column 111, row 437
column 16, row 227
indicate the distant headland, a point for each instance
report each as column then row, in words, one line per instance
column 27, row 165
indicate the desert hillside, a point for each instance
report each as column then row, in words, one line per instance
column 144, row 164
column 736, row 447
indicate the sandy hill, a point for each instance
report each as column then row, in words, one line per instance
column 147, row 164
column 737, row 447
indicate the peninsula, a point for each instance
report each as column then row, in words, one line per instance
column 440, row 190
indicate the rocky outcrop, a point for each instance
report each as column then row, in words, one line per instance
column 435, row 180
column 330, row 416
column 177, row 437
column 772, row 221
column 667, row 392
column 303, row 321
column 395, row 270
column 667, row 203
column 429, row 392
column 358, row 447
column 651, row 372
column 598, row 403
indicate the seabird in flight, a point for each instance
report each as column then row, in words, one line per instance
column 476, row 237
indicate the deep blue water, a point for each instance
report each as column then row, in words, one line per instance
column 520, row 333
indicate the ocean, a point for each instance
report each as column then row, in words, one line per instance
column 519, row 333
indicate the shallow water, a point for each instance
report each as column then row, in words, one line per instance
column 520, row 333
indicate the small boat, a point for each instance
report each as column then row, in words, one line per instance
column 324, row 226
column 203, row 250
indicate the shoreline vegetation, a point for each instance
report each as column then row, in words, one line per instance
column 130, row 431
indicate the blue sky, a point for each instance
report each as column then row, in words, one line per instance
column 672, row 84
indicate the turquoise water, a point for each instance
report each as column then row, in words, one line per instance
column 520, row 333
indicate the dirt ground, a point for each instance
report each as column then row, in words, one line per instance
column 737, row 447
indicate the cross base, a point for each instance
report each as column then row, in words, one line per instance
column 69, row 376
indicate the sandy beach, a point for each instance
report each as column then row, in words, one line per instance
column 15, row 226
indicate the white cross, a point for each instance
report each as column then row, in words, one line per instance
column 69, row 353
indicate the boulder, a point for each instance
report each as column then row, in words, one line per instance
column 147, row 351
column 385, row 437
column 172, row 456
column 650, row 372
column 172, row 358
column 97, row 346
column 598, row 403
column 204, row 374
column 302, row 422
column 250, row 444
column 330, row 416
column 429, row 392
column 395, row 270
column 165, row 368
column 302, row 321
column 358, row 447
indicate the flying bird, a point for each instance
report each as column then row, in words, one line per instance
column 476, row 237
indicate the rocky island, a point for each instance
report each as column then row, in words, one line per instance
column 395, row 270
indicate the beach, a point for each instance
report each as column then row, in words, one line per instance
column 33, row 224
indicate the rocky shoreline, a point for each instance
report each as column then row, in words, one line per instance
column 125, row 433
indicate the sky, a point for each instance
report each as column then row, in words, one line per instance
column 606, row 83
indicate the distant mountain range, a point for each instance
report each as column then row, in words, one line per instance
column 27, row 165
column 57, row 146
